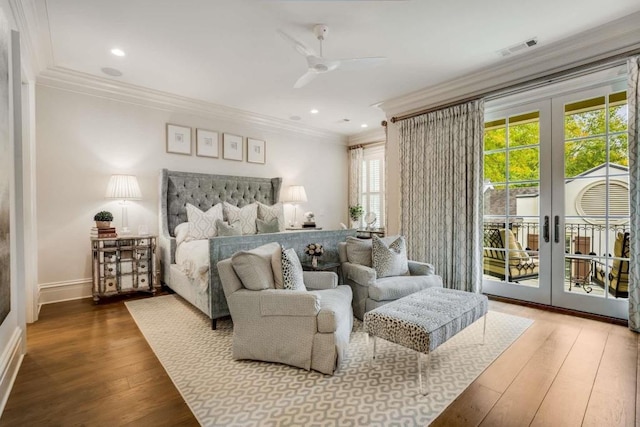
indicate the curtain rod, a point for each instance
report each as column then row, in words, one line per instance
column 509, row 89
column 368, row 144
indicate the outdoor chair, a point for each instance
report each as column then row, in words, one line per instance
column 617, row 274
column 521, row 264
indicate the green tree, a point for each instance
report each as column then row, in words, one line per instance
column 585, row 146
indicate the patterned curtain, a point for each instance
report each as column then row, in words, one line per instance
column 355, row 174
column 633, row 100
column 441, row 185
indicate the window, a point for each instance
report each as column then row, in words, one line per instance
column 372, row 197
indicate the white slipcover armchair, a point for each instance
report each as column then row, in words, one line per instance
column 307, row 329
column 369, row 291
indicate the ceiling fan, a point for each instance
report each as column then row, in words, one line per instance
column 320, row 65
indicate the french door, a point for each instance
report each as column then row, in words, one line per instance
column 556, row 200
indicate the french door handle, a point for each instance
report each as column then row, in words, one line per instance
column 556, row 226
column 546, row 228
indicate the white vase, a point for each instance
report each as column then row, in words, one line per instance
column 314, row 261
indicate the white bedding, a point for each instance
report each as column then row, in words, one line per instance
column 193, row 260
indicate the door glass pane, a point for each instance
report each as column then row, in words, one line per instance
column 597, row 197
column 511, row 194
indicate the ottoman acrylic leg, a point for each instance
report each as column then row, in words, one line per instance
column 484, row 328
column 423, row 386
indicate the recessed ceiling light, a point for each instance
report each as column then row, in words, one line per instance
column 111, row 72
column 364, row 125
column 117, row 52
column 314, row 111
column 295, row 118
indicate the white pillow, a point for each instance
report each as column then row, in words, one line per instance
column 389, row 260
column 268, row 213
column 202, row 225
column 292, row 276
column 181, row 232
column 254, row 267
column 247, row 215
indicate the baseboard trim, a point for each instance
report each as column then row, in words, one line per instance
column 64, row 291
column 10, row 362
column 561, row 310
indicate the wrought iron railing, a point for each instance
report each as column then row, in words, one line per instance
column 580, row 238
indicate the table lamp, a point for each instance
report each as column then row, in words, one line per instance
column 124, row 188
column 295, row 195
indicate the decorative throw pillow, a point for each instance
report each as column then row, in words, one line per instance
column 389, row 260
column 292, row 276
column 181, row 232
column 265, row 227
column 225, row 229
column 247, row 216
column 268, row 213
column 276, row 266
column 202, row 225
column 254, row 267
column 359, row 251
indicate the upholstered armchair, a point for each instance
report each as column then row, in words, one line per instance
column 370, row 291
column 618, row 272
column 521, row 265
column 309, row 329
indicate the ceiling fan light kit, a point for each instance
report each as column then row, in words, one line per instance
column 318, row 64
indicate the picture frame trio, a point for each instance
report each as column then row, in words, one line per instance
column 208, row 144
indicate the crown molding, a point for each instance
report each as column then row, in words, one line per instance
column 88, row 84
column 614, row 38
column 370, row 136
column 30, row 17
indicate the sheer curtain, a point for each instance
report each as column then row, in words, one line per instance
column 633, row 98
column 441, row 185
column 355, row 172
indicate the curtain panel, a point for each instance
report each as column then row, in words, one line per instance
column 355, row 172
column 441, row 192
column 633, row 98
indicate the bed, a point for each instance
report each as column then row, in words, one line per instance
column 202, row 288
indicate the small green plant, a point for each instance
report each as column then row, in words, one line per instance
column 355, row 212
column 103, row 216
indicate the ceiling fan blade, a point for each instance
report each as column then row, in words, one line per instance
column 299, row 46
column 305, row 79
column 360, row 63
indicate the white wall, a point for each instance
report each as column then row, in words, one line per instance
column 83, row 139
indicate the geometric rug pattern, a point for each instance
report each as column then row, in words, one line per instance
column 225, row 392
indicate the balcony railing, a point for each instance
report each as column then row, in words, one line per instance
column 580, row 238
column 596, row 255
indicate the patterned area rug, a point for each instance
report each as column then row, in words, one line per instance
column 223, row 392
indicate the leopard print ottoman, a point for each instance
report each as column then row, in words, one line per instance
column 424, row 320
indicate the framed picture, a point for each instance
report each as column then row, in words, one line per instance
column 256, row 151
column 178, row 139
column 232, row 147
column 207, row 143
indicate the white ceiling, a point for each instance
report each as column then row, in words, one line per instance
column 228, row 51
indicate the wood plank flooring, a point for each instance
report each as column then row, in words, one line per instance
column 90, row 365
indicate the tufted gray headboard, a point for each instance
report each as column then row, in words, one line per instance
column 205, row 190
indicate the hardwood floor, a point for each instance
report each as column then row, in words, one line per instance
column 89, row 365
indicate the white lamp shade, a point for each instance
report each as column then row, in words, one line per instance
column 296, row 194
column 123, row 187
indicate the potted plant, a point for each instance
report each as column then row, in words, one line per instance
column 355, row 213
column 103, row 219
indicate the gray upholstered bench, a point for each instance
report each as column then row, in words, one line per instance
column 424, row 320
